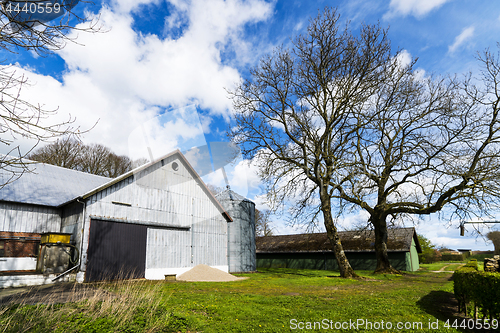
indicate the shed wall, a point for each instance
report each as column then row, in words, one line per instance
column 327, row 261
column 413, row 263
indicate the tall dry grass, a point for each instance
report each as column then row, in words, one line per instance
column 122, row 305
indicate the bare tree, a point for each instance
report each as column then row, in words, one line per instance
column 97, row 159
column 263, row 223
column 295, row 116
column 494, row 237
column 138, row 162
column 64, row 152
column 214, row 189
column 342, row 117
column 23, row 29
column 41, row 26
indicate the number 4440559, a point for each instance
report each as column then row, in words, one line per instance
column 472, row 324
column 32, row 8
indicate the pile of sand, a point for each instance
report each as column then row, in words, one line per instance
column 205, row 273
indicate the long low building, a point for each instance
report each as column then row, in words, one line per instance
column 314, row 251
column 159, row 219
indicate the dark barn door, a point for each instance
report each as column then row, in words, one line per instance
column 116, row 250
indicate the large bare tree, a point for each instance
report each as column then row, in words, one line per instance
column 340, row 120
column 295, row 115
column 494, row 237
column 34, row 26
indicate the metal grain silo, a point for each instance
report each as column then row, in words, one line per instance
column 241, row 232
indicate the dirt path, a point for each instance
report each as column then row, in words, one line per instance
column 442, row 269
column 52, row 294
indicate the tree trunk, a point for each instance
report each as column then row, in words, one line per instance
column 345, row 268
column 383, row 264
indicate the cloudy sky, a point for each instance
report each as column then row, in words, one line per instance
column 158, row 73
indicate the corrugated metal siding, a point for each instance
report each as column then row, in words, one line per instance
column 241, row 239
column 168, row 248
column 29, row 218
column 159, row 194
column 71, row 222
column 209, row 241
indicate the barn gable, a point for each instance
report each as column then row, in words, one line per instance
column 184, row 224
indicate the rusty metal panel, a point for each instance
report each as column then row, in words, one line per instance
column 116, row 250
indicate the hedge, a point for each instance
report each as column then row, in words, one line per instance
column 477, row 290
column 452, row 257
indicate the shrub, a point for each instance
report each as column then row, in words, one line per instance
column 477, row 290
column 429, row 256
column 429, row 253
column 473, row 264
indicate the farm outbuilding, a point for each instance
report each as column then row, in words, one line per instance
column 241, row 232
column 159, row 219
column 314, row 251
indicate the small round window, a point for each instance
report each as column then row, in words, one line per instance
column 175, row 166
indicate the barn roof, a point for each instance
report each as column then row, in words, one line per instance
column 46, row 184
column 399, row 240
column 230, row 195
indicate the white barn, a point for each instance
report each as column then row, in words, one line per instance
column 159, row 219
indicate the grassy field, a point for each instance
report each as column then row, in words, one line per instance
column 272, row 300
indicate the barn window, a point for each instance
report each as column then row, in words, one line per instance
column 175, row 166
column 2, row 248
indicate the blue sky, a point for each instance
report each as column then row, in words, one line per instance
column 157, row 77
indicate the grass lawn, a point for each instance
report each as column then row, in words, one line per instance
column 272, row 300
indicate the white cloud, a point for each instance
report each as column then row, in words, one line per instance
column 441, row 234
column 179, row 128
column 242, row 177
column 417, row 8
column 464, row 36
column 404, row 58
column 123, row 79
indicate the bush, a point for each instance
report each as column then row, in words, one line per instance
column 473, row 264
column 481, row 257
column 477, row 290
column 429, row 253
column 429, row 256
